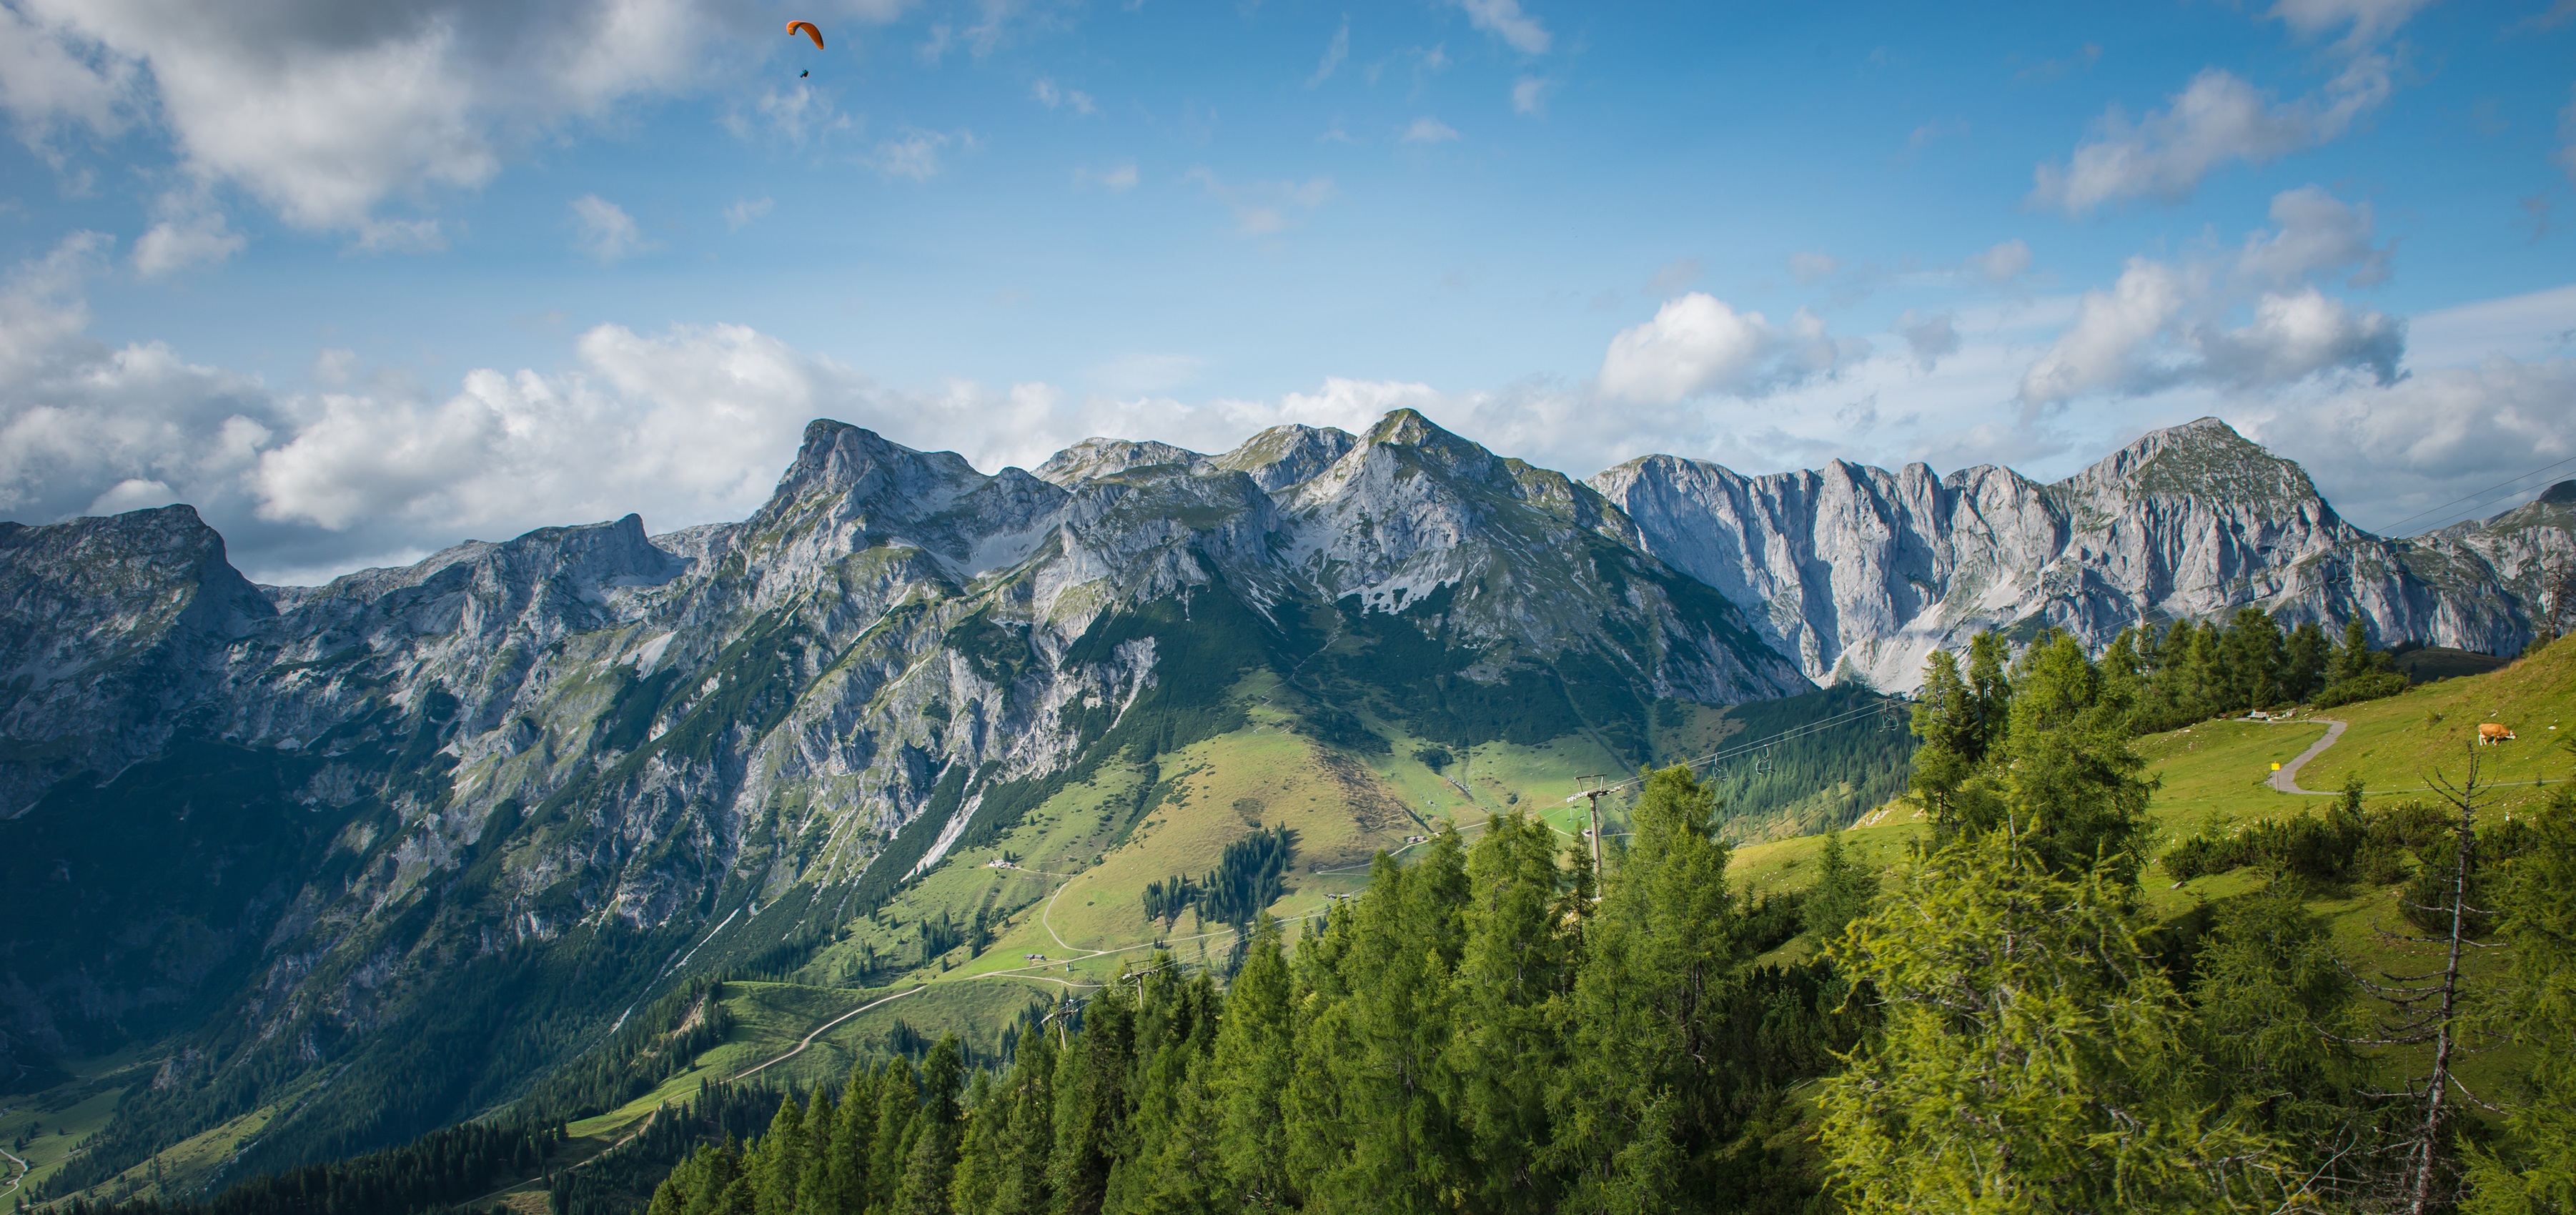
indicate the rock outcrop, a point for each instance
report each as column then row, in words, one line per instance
column 1866, row 571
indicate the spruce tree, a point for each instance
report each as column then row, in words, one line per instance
column 932, row 1163
column 2072, row 779
column 1648, row 1100
column 2535, row 1170
column 2032, row 1057
column 782, row 1156
column 1508, row 1002
column 1945, row 719
column 1367, row 1127
column 1256, row 1051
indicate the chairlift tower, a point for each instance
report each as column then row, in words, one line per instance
column 1593, row 788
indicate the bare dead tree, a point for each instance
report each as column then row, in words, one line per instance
column 2431, row 1008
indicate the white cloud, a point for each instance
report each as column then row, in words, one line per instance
column 1697, row 344
column 918, row 155
column 2382, row 452
column 797, row 116
column 1811, row 267
column 1505, row 20
column 1529, row 95
column 2216, row 120
column 324, row 110
column 1929, row 336
column 189, row 233
column 2365, row 21
column 1263, row 208
column 1117, row 177
column 1056, row 97
column 53, row 81
column 2110, row 344
column 2161, row 325
column 2003, row 263
column 2318, row 232
column 1335, row 53
column 743, row 212
column 608, row 234
column 1429, row 130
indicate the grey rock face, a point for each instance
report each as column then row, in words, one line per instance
column 1868, row 570
column 686, row 730
column 110, row 630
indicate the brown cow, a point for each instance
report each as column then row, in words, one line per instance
column 2491, row 732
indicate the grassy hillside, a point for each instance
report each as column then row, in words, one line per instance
column 2214, row 778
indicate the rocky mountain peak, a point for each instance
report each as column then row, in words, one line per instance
column 2561, row 494
column 1097, row 457
column 2204, row 459
column 1285, row 455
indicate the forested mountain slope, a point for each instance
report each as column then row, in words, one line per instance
column 367, row 858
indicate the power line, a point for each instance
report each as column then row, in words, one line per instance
column 2391, row 529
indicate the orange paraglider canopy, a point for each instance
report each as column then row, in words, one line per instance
column 809, row 31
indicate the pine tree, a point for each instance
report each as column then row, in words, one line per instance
column 1508, row 1000
column 2033, row 1055
column 1945, row 718
column 2536, row 1171
column 2071, row 778
column 890, row 1144
column 932, row 1163
column 2303, row 661
column 1646, row 1103
column 1367, row 1128
column 2275, row 1018
column 1256, row 1051
column 1842, row 892
column 781, row 1159
column 1990, row 693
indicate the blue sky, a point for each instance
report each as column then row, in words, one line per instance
column 361, row 281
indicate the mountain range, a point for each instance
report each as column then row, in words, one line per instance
column 365, row 858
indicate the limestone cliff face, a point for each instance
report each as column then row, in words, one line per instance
column 587, row 726
column 1860, row 568
column 110, row 631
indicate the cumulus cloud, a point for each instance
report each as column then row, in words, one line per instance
column 608, row 235
column 2217, row 119
column 1264, row 208
column 1697, row 344
column 743, row 212
column 54, row 81
column 2160, row 325
column 1427, row 129
column 187, row 233
column 325, row 111
column 2383, row 452
column 1505, row 20
column 2317, row 232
